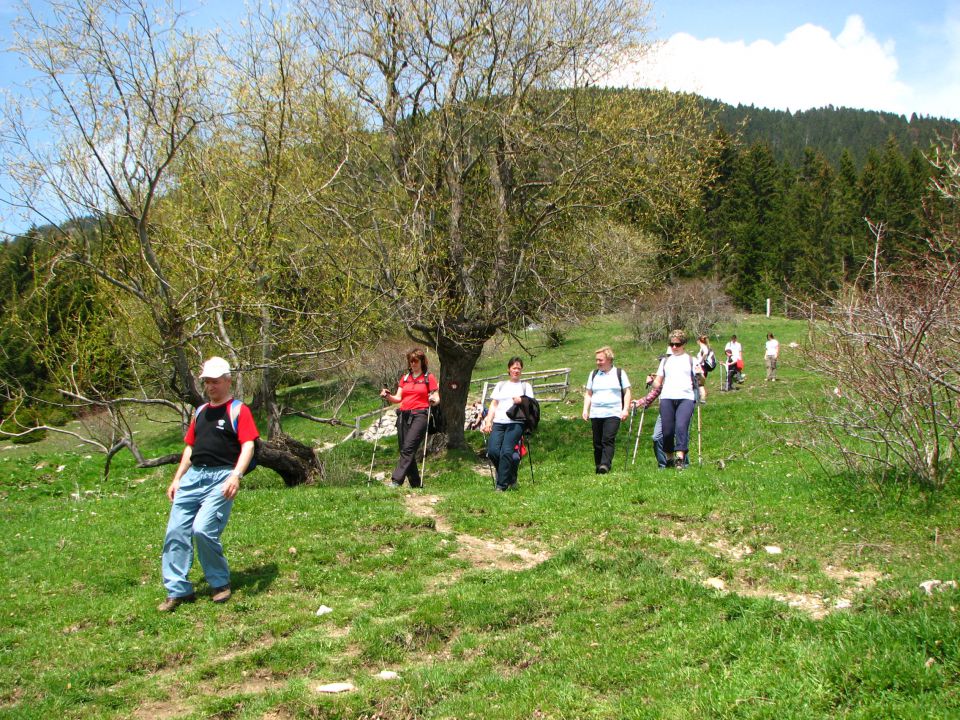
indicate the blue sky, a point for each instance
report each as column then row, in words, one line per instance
column 901, row 57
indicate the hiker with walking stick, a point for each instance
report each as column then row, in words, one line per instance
column 505, row 432
column 417, row 390
column 677, row 386
column 606, row 403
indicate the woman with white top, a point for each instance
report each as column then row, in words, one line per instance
column 771, row 354
column 676, row 385
column 707, row 361
column 606, row 402
column 505, row 433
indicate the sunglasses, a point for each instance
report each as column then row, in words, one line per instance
column 676, row 344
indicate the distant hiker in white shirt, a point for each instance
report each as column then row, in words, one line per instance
column 771, row 356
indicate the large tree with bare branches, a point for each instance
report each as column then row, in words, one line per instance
column 488, row 191
column 187, row 162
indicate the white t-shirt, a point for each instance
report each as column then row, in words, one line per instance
column 773, row 348
column 677, row 383
column 606, row 400
column 735, row 348
column 504, row 392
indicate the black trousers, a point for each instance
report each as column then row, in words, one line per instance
column 604, row 440
column 411, row 429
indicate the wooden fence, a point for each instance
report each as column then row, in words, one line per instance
column 548, row 386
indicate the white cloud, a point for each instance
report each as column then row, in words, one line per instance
column 808, row 68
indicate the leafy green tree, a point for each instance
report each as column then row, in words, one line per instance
column 482, row 201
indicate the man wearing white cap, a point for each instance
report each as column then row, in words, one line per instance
column 219, row 448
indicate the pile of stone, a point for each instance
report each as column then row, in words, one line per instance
column 385, row 426
column 473, row 416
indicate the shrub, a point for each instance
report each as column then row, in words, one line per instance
column 888, row 347
column 694, row 305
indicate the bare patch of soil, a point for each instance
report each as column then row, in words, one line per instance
column 162, row 710
column 816, row 605
column 480, row 552
column 258, row 682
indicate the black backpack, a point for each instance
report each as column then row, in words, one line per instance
column 709, row 361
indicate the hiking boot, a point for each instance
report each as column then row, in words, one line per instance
column 394, row 483
column 603, row 470
column 221, row 594
column 172, row 603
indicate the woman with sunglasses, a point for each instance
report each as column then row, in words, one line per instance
column 676, row 385
column 416, row 392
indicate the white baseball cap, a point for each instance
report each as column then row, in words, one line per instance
column 215, row 367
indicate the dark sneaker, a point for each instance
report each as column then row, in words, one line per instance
column 499, row 489
column 603, row 469
column 172, row 603
column 394, row 483
column 221, row 594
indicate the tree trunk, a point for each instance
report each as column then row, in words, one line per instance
column 457, row 360
column 291, row 459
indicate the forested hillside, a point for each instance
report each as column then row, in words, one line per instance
column 829, row 130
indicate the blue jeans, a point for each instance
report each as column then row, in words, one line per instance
column 676, row 415
column 503, row 438
column 199, row 512
column 658, row 444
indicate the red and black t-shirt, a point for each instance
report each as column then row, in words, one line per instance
column 212, row 437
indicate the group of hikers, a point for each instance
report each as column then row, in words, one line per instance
column 220, row 440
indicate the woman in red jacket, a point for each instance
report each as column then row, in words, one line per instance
column 417, row 390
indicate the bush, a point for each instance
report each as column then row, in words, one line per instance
column 889, row 349
column 694, row 305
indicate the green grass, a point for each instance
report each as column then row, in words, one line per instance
column 616, row 623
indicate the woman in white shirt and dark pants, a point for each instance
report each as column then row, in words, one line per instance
column 676, row 385
column 606, row 403
column 505, row 433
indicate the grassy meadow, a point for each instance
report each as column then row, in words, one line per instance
column 638, row 594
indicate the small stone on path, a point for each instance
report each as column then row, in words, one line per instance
column 337, row 687
column 387, row 675
column 772, row 550
column 715, row 583
column 323, row 610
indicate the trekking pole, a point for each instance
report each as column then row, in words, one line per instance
column 626, row 448
column 699, row 447
column 636, row 444
column 376, row 440
column 426, row 441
